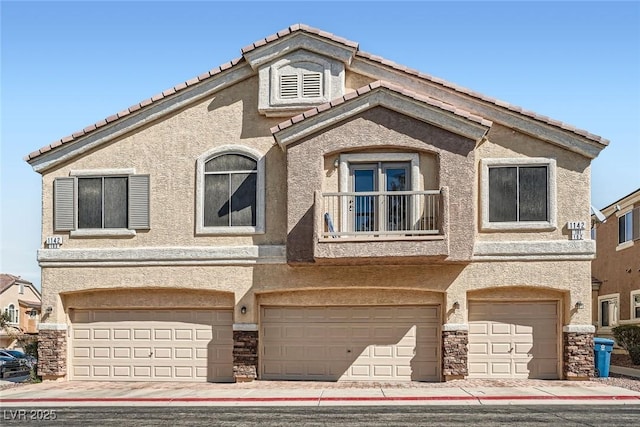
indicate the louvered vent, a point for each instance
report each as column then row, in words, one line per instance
column 311, row 85
column 288, row 86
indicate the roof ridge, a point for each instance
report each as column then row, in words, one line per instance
column 474, row 94
column 296, row 28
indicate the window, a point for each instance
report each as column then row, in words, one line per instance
column 518, row 194
column 230, row 191
column 635, row 304
column 608, row 310
column 101, row 202
column 12, row 313
column 230, row 197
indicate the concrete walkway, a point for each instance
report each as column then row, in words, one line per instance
column 281, row 393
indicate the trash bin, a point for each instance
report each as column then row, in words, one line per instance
column 602, row 351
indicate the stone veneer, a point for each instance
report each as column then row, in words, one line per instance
column 578, row 355
column 52, row 353
column 245, row 355
column 454, row 354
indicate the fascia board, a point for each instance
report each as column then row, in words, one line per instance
column 529, row 126
column 140, row 118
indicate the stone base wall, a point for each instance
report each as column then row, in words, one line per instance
column 245, row 355
column 454, row 354
column 52, row 353
column 578, row 355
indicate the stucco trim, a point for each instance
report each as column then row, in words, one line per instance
column 260, row 191
column 102, row 172
column 205, row 255
column 580, row 329
column 102, row 232
column 534, row 250
column 385, row 97
column 52, row 327
column 489, row 109
column 448, row 327
column 552, row 203
column 276, row 49
column 247, row 327
column 140, row 118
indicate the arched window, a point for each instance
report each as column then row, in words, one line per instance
column 12, row 313
column 230, row 194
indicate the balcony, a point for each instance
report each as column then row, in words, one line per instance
column 374, row 227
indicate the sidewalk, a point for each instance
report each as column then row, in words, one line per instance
column 282, row 393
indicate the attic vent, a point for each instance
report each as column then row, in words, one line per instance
column 289, row 86
column 311, row 85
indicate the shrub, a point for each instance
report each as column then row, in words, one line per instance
column 628, row 337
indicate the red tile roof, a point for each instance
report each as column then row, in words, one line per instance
column 376, row 85
column 307, row 29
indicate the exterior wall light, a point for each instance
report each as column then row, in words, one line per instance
column 579, row 305
column 456, row 305
column 243, row 310
column 49, row 310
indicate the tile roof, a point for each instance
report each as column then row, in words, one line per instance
column 7, row 280
column 377, row 85
column 142, row 104
column 307, row 29
column 293, row 29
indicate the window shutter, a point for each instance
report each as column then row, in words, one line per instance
column 311, row 85
column 289, row 86
column 139, row 202
column 63, row 204
column 635, row 219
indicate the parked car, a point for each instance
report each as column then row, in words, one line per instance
column 10, row 367
column 22, row 358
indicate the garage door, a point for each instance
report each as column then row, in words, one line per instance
column 152, row 345
column 350, row 343
column 513, row 340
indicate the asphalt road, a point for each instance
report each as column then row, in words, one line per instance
column 539, row 415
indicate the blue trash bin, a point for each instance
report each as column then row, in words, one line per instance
column 602, row 349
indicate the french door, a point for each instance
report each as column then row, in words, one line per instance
column 377, row 208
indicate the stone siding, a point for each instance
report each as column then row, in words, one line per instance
column 578, row 355
column 52, row 353
column 245, row 355
column 454, row 353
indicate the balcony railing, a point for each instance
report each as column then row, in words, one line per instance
column 390, row 214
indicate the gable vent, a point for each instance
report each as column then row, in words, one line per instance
column 311, row 85
column 289, row 86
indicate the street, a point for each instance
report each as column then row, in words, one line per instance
column 521, row 416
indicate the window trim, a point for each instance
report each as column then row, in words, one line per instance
column 98, row 232
column 616, row 299
column 549, row 225
column 626, row 243
column 14, row 314
column 633, row 306
column 259, row 228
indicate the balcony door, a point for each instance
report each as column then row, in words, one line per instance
column 378, row 209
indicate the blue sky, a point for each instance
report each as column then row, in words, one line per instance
column 66, row 65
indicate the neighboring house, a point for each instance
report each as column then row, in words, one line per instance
column 616, row 268
column 21, row 302
column 309, row 211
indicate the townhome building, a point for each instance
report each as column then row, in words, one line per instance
column 616, row 268
column 20, row 304
column 310, row 211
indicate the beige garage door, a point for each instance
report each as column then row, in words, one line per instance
column 350, row 343
column 513, row 340
column 152, row 345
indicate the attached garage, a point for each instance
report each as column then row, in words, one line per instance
column 513, row 340
column 152, row 345
column 398, row 343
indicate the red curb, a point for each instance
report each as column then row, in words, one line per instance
column 309, row 399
